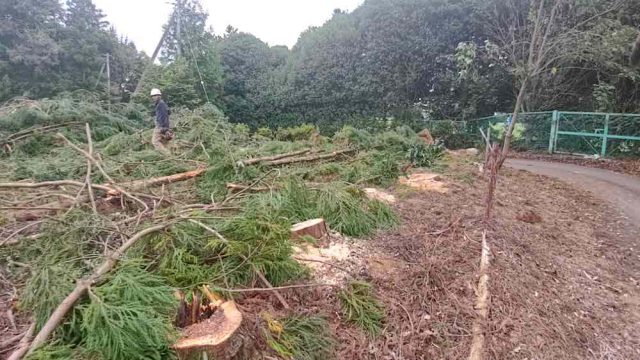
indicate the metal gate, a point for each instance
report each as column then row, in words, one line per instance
column 604, row 134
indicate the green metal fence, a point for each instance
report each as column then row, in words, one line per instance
column 603, row 134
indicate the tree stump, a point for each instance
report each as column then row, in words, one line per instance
column 217, row 336
column 426, row 136
column 315, row 228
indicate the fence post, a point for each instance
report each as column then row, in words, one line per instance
column 553, row 135
column 603, row 150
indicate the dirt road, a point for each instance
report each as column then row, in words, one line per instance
column 622, row 191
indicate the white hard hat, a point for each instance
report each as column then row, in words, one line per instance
column 155, row 92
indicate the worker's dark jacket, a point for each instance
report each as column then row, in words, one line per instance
column 162, row 115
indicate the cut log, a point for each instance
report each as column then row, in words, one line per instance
column 307, row 158
column 234, row 188
column 218, row 337
column 164, row 180
column 425, row 135
column 271, row 158
column 315, row 228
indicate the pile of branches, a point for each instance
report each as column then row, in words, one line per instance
column 104, row 238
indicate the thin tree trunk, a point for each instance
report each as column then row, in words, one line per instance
column 514, row 118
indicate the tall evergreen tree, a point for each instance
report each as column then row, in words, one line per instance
column 29, row 51
column 188, row 37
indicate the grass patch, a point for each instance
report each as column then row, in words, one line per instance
column 344, row 207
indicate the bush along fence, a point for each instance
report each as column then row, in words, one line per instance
column 600, row 134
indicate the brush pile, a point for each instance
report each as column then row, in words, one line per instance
column 112, row 251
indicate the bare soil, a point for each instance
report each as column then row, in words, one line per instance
column 563, row 280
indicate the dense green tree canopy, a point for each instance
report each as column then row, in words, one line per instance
column 47, row 48
column 401, row 58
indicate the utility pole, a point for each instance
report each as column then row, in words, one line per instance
column 179, row 27
column 153, row 56
column 108, row 83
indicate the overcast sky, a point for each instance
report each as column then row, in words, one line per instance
column 277, row 22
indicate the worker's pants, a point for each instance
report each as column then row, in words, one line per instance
column 159, row 142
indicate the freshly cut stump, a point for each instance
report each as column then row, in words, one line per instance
column 217, row 336
column 315, row 228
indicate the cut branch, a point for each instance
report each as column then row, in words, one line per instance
column 88, row 177
column 57, row 183
column 23, row 346
column 41, row 129
column 301, row 286
column 482, row 303
column 103, row 172
column 84, row 284
column 261, row 276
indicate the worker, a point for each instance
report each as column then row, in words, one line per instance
column 162, row 133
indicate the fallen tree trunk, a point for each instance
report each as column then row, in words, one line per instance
column 271, row 158
column 164, row 180
column 109, row 189
column 308, row 158
column 83, row 285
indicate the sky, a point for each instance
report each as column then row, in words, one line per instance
column 276, row 22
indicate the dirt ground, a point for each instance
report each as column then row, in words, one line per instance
column 623, row 166
column 564, row 275
column 619, row 190
column 563, row 283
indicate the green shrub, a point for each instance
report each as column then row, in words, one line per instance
column 264, row 132
column 421, row 154
column 350, row 136
column 302, row 132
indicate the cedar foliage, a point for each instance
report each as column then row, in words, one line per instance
column 130, row 311
column 360, row 306
column 301, row 337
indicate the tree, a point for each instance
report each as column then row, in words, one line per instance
column 188, row 38
column 546, row 41
column 29, row 52
column 46, row 49
column 245, row 61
